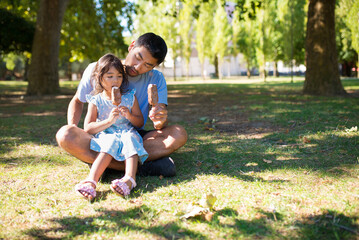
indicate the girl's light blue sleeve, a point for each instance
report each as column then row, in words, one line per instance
column 91, row 99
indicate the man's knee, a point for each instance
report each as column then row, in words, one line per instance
column 64, row 135
column 180, row 134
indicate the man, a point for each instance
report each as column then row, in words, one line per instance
column 148, row 51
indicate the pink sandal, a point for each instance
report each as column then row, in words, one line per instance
column 124, row 187
column 83, row 187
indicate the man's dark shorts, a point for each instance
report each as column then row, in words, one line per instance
column 143, row 132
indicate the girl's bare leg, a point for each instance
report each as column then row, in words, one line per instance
column 97, row 168
column 130, row 171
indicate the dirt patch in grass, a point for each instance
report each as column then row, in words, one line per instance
column 227, row 113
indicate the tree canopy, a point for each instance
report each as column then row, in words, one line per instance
column 16, row 33
column 262, row 30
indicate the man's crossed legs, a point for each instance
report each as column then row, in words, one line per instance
column 159, row 144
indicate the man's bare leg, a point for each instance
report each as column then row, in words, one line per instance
column 161, row 143
column 76, row 141
column 158, row 143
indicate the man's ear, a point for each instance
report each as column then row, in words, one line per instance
column 131, row 46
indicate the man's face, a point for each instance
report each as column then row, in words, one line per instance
column 139, row 61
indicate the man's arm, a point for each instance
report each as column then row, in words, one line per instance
column 74, row 111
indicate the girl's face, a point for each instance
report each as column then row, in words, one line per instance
column 112, row 78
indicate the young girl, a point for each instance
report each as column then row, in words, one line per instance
column 112, row 127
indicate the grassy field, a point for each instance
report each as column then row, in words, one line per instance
column 282, row 165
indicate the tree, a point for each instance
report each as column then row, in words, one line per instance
column 186, row 31
column 161, row 16
column 169, row 28
column 204, row 33
column 43, row 71
column 290, row 29
column 86, row 24
column 244, row 39
column 347, row 56
column 352, row 19
column 221, row 35
column 17, row 29
column 16, row 33
column 265, row 24
column 322, row 75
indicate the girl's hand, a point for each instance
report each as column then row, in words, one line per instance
column 115, row 113
column 125, row 112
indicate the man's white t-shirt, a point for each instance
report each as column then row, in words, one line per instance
column 140, row 83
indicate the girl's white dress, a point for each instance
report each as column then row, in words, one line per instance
column 120, row 140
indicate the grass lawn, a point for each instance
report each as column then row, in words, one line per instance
column 282, row 165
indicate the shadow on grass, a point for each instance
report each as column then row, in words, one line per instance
column 109, row 223
column 112, row 223
column 328, row 225
column 241, row 157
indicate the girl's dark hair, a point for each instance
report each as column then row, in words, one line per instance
column 154, row 44
column 103, row 65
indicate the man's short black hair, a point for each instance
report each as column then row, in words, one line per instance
column 154, row 44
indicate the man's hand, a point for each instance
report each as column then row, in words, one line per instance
column 158, row 115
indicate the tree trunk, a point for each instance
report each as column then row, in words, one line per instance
column 322, row 75
column 43, row 71
column 174, row 68
column 249, row 74
column 263, row 72
column 275, row 70
column 26, row 73
column 187, row 70
column 69, row 70
column 202, row 71
column 216, row 72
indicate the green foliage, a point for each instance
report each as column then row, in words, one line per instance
column 346, row 51
column 186, row 30
column 222, row 33
column 14, row 62
column 352, row 20
column 291, row 27
column 16, row 33
column 26, row 9
column 89, row 30
column 92, row 28
column 204, row 33
column 265, row 34
column 244, row 37
column 162, row 18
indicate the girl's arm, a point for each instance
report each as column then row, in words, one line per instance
column 135, row 117
column 93, row 127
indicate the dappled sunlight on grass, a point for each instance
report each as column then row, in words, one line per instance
column 281, row 165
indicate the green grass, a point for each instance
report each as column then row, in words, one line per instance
column 282, row 165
